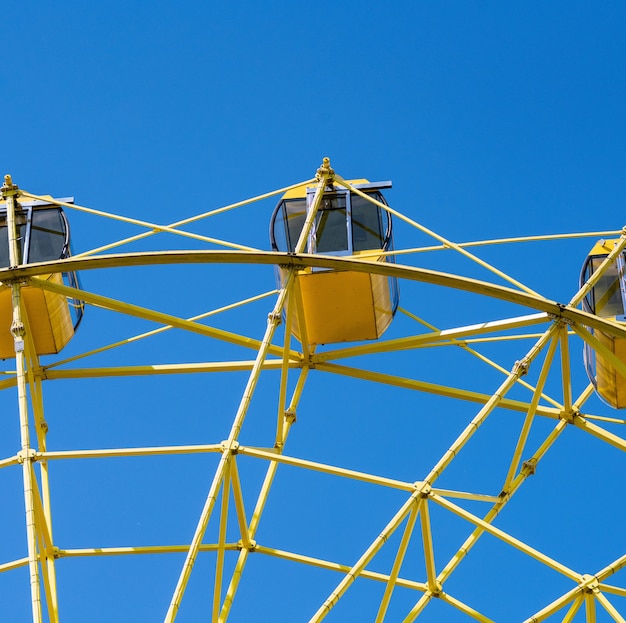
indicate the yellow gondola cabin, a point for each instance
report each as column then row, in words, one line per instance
column 44, row 235
column 607, row 299
column 339, row 306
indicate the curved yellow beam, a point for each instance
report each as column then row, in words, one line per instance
column 293, row 261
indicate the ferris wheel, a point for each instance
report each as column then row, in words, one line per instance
column 389, row 428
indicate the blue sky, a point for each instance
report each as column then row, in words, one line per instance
column 492, row 119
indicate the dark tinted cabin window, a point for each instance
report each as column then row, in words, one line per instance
column 367, row 231
column 20, row 218
column 294, row 211
column 47, row 236
column 331, row 227
column 607, row 298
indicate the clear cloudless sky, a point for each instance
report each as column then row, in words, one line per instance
column 493, row 119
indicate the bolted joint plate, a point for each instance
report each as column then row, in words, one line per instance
column 26, row 455
column 230, row 446
column 252, row 545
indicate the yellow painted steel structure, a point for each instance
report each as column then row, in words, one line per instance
column 398, row 545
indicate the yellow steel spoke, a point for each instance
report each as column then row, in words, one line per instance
column 142, row 336
column 140, row 551
column 615, row 590
column 565, row 370
column 609, row 607
column 600, row 433
column 239, row 504
column 584, row 396
column 363, row 561
column 195, row 218
column 573, row 610
column 126, row 452
column 521, row 442
column 441, row 239
column 523, row 547
column 555, row 606
column 333, row 566
column 46, row 554
column 219, row 563
column 429, row 552
column 304, row 339
column 284, row 374
column 153, row 227
column 590, row 608
column 609, row 570
column 432, row 388
column 435, row 336
column 155, row 369
column 149, row 314
column 464, row 608
column 326, row 468
column 464, row 344
column 498, row 241
column 418, row 607
column 13, row 460
column 399, row 559
column 15, row 564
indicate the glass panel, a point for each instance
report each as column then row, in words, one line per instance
column 588, row 300
column 76, row 307
column 331, row 227
column 21, row 220
column 607, row 297
column 367, row 232
column 47, row 235
column 295, row 215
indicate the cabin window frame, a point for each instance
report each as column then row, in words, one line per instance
column 26, row 210
column 590, row 301
column 384, row 223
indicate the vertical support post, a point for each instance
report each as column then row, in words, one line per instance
column 26, row 455
column 566, row 372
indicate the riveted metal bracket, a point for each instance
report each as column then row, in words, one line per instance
column 274, row 318
column 26, row 455
column 231, row 446
column 290, row 415
column 521, row 367
column 423, row 487
column 251, row 545
column 590, row 583
column 569, row 416
column 529, row 467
